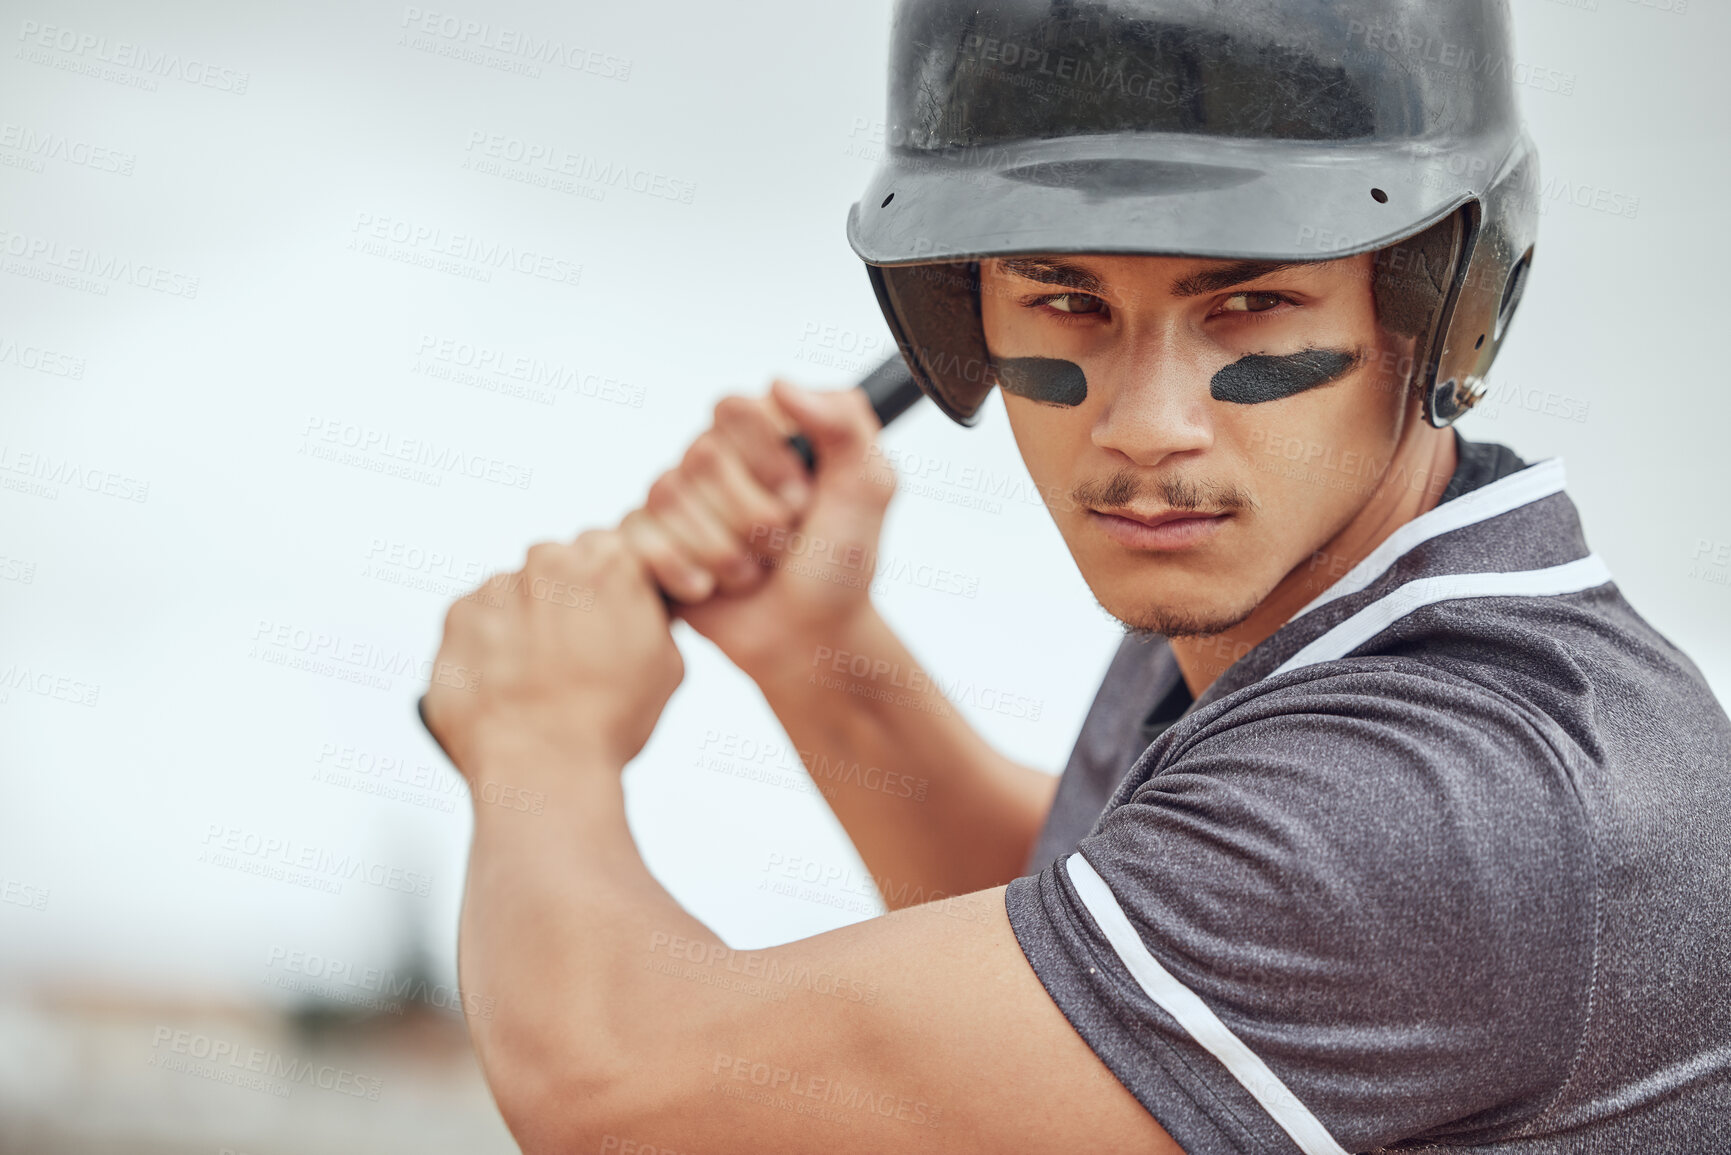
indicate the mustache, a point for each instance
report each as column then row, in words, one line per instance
column 1126, row 489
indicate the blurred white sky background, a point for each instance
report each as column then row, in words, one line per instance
column 169, row 610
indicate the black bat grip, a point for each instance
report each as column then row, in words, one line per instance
column 891, row 390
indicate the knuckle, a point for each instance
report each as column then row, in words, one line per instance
column 704, row 455
column 645, row 538
column 658, row 558
column 669, row 563
column 663, row 494
column 604, row 544
column 543, row 555
column 591, row 549
column 732, row 408
column 638, row 530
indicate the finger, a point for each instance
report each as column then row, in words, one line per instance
column 601, row 564
column 839, row 421
column 758, row 430
column 719, row 479
column 607, row 555
column 552, row 572
column 843, row 432
column 702, row 532
column 674, row 570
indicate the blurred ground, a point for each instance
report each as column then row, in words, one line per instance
column 84, row 1073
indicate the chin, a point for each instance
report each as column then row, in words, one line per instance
column 1153, row 599
column 1177, row 619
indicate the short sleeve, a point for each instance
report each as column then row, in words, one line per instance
column 1349, row 911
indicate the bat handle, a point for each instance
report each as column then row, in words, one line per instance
column 890, row 388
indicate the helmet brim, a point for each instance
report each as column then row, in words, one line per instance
column 1174, row 195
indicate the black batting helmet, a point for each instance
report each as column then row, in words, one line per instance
column 1265, row 129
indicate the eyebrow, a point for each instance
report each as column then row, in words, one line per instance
column 1069, row 275
column 1227, row 276
column 1050, row 272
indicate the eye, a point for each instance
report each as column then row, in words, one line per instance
column 1075, row 303
column 1253, row 302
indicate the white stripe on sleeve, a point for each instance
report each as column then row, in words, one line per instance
column 1194, row 1016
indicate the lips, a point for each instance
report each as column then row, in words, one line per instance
column 1163, row 532
column 1158, row 519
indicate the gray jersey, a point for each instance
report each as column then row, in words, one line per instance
column 1444, row 861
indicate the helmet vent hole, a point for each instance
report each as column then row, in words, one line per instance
column 1517, row 284
column 887, row 201
column 1378, row 196
column 1480, row 343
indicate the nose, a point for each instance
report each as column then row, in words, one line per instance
column 1155, row 397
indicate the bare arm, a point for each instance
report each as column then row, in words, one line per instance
column 621, row 1022
column 613, row 1016
column 931, row 806
column 777, row 582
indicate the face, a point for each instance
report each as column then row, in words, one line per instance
column 1200, row 427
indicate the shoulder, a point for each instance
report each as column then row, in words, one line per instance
column 1365, row 718
column 1406, row 786
column 1376, row 876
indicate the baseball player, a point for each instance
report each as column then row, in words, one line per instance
column 1392, row 826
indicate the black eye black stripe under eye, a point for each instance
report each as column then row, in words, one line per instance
column 1249, row 380
column 1260, row 377
column 1046, row 379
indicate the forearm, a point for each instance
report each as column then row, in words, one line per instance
column 931, row 807
column 558, row 935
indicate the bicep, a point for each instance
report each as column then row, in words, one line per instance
column 921, row 1031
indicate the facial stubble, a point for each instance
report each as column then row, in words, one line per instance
column 1121, row 490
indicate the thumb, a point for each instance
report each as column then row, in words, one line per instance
column 839, row 423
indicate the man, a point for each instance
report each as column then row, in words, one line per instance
column 1392, row 825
